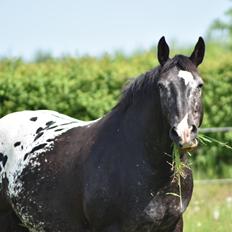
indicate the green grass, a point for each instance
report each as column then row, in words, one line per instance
column 206, row 140
column 210, row 209
column 178, row 168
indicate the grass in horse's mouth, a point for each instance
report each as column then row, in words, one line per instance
column 178, row 166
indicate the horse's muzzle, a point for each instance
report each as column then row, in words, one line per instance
column 189, row 147
column 184, row 138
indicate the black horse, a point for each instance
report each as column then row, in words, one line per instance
column 59, row 174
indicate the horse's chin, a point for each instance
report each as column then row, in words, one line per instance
column 190, row 147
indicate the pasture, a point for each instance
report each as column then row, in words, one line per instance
column 210, row 208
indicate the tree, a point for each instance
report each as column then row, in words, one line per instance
column 221, row 30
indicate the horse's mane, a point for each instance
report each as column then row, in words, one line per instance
column 139, row 87
column 144, row 84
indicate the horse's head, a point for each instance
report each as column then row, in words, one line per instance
column 180, row 87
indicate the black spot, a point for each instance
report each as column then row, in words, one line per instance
column 1, row 156
column 35, row 149
column 52, row 127
column 5, row 158
column 38, row 136
column 39, row 130
column 50, row 123
column 25, row 156
column 67, row 123
column 21, row 147
column 17, row 144
column 0, row 168
column 59, row 129
column 50, row 140
column 33, row 119
column 38, row 147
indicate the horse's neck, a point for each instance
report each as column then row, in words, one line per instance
column 145, row 129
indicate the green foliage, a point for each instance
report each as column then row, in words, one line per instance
column 87, row 87
column 214, row 160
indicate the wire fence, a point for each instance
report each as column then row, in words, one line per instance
column 214, row 181
column 215, row 129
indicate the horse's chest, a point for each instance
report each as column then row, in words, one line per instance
column 157, row 216
column 163, row 210
column 143, row 211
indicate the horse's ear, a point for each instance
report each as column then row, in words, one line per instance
column 163, row 51
column 198, row 52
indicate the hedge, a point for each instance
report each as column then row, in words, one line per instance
column 88, row 87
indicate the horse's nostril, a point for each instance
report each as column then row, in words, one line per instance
column 174, row 132
column 194, row 129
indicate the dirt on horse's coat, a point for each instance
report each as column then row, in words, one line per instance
column 60, row 174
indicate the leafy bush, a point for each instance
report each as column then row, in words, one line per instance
column 217, row 74
column 87, row 87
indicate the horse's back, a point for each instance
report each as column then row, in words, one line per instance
column 26, row 134
column 33, row 162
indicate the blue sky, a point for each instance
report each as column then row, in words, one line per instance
column 97, row 26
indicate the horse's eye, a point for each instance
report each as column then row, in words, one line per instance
column 200, row 86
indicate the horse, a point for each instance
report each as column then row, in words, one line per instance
column 60, row 174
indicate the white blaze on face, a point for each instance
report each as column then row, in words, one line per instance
column 183, row 130
column 186, row 76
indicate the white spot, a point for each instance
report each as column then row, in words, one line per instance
column 216, row 214
column 229, row 201
column 18, row 127
column 187, row 76
column 182, row 125
column 183, row 130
